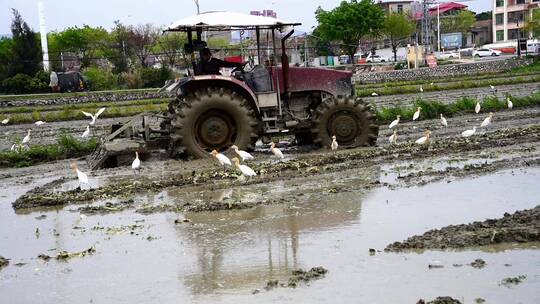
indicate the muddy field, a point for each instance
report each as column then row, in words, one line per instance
column 186, row 231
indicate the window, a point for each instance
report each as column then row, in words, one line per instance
column 499, row 3
column 516, row 17
column 516, row 33
column 500, row 35
column 520, row 1
column 400, row 8
column 499, row 19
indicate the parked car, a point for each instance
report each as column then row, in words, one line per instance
column 486, row 52
column 448, row 55
column 377, row 58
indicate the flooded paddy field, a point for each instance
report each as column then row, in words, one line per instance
column 150, row 237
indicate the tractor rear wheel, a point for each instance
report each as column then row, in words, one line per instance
column 349, row 119
column 213, row 118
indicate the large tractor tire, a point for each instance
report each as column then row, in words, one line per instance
column 349, row 119
column 214, row 118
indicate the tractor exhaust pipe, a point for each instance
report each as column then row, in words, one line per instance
column 285, row 63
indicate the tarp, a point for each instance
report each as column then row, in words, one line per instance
column 227, row 20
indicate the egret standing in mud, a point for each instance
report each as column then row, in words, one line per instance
column 374, row 94
column 393, row 138
column 416, row 114
column 424, row 139
column 487, row 120
column 5, row 121
column 443, row 121
column 469, row 133
column 421, row 89
column 81, row 176
column 136, row 164
column 39, row 123
column 477, row 107
column 277, row 152
column 86, row 132
column 394, row 122
column 94, row 116
column 334, row 145
column 246, row 171
column 243, row 154
column 26, row 139
column 222, row 159
column 509, row 103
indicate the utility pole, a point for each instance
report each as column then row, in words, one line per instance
column 306, row 50
column 197, row 4
column 43, row 33
column 438, row 28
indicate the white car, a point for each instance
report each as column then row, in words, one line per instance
column 376, row 58
column 448, row 55
column 486, row 52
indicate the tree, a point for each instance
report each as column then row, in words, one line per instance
column 170, row 45
column 116, row 49
column 86, row 42
column 6, row 55
column 484, row 16
column 460, row 22
column 25, row 50
column 397, row 27
column 142, row 39
column 533, row 25
column 349, row 22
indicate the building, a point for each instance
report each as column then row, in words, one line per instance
column 482, row 32
column 509, row 18
column 396, row 6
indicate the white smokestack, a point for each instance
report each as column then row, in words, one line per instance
column 43, row 32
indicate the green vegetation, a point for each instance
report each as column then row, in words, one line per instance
column 433, row 109
column 397, row 27
column 72, row 94
column 66, row 147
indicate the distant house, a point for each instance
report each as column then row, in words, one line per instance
column 396, row 6
column 482, row 32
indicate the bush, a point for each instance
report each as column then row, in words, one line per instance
column 100, row 79
column 18, row 84
column 131, row 80
column 155, row 78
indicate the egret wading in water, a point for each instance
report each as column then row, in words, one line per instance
column 277, row 152
column 39, row 123
column 424, row 139
column 136, row 164
column 243, row 154
column 393, row 138
column 509, row 103
column 334, row 145
column 477, row 108
column 94, row 116
column 81, row 176
column 86, row 132
column 5, row 121
column 487, row 120
column 469, row 133
column 222, row 159
column 26, row 139
column 246, row 171
column 394, row 122
column 416, row 114
column 443, row 121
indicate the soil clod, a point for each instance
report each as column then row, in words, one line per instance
column 513, row 280
column 3, row 262
column 478, row 263
column 440, row 300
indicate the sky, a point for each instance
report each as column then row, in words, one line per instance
column 60, row 14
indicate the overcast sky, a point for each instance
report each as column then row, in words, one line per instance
column 60, row 14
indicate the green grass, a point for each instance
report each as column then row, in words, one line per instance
column 66, row 147
column 433, row 109
column 64, row 95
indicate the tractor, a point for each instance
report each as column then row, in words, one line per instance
column 218, row 111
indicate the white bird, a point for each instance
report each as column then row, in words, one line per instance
column 94, row 116
column 468, row 133
column 277, row 152
column 83, row 178
column 421, row 89
column 487, row 120
column 395, row 122
column 5, row 121
column 334, row 145
column 243, row 154
column 39, row 123
column 247, row 171
column 222, row 159
column 416, row 114
column 136, row 164
column 393, row 138
column 374, row 94
column 431, row 83
column 13, row 147
column 509, row 103
column 492, row 87
column 443, row 121
column 86, row 132
column 424, row 139
column 477, row 107
column 26, row 139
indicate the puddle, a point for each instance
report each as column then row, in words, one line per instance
column 223, row 256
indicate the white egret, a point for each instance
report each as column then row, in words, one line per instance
column 491, row 87
column 277, row 152
column 136, row 164
column 86, row 132
column 487, row 120
column 94, row 116
column 421, row 89
column 468, row 133
column 431, row 83
column 393, row 138
column 5, row 121
column 374, row 94
column 81, row 176
column 246, row 171
column 509, row 103
column 443, row 121
column 334, row 145
column 416, row 114
column 39, row 123
column 13, row 147
column 243, row 154
column 222, row 159
column 424, row 139
column 395, row 122
column 26, row 139
column 477, row 108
